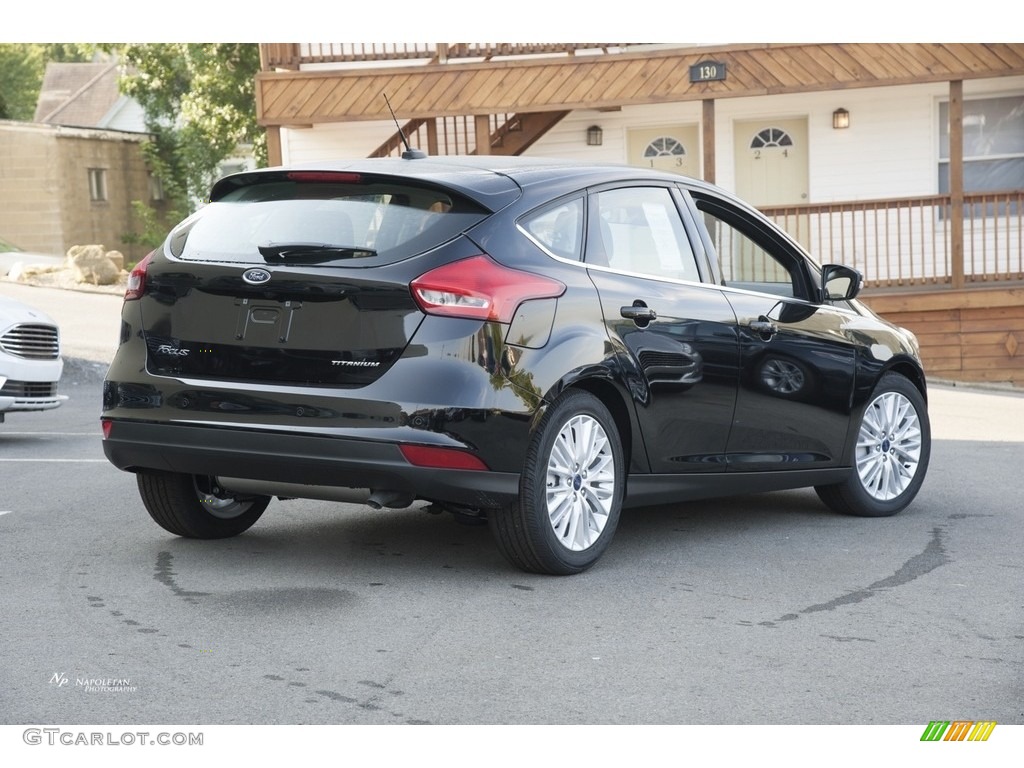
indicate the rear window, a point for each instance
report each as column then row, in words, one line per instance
column 354, row 223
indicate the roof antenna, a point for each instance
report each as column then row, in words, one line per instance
column 409, row 153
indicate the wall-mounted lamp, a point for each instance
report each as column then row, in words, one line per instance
column 840, row 119
column 595, row 136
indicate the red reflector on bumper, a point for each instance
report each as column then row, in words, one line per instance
column 106, row 424
column 441, row 458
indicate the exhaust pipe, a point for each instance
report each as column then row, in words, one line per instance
column 390, row 499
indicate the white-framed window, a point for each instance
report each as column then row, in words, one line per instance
column 993, row 144
column 98, row 185
column 232, row 166
column 156, row 189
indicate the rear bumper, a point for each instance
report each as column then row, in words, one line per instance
column 301, row 459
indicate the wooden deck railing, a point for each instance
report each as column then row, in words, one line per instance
column 444, row 136
column 908, row 242
column 293, row 55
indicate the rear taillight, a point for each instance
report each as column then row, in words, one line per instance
column 480, row 289
column 137, row 280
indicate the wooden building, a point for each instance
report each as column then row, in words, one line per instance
column 904, row 160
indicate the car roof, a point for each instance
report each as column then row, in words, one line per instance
column 494, row 181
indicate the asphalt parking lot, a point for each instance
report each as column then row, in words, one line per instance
column 764, row 609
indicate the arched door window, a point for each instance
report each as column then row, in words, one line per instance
column 664, row 146
column 672, row 148
column 771, row 137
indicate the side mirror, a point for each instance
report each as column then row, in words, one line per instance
column 839, row 283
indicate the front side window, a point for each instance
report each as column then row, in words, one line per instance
column 747, row 257
column 638, row 230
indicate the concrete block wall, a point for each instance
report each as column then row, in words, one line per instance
column 86, row 221
column 30, row 195
column 45, row 203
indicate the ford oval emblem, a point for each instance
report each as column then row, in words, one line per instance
column 255, row 276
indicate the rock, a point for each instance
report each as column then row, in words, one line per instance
column 117, row 257
column 77, row 250
column 21, row 272
column 90, row 264
column 16, row 271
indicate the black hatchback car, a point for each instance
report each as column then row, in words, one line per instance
column 534, row 343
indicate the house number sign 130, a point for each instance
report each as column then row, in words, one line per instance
column 706, row 71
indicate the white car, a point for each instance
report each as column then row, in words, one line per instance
column 30, row 361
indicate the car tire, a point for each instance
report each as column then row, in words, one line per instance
column 891, row 450
column 570, row 490
column 194, row 507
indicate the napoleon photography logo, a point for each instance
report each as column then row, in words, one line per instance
column 95, row 684
column 958, row 730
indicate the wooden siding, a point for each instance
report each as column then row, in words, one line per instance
column 971, row 335
column 615, row 80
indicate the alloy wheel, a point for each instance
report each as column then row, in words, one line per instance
column 888, row 446
column 580, row 482
column 221, row 506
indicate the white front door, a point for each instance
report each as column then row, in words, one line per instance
column 771, row 161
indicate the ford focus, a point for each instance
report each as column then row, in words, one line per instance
column 530, row 343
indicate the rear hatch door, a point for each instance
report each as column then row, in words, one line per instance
column 300, row 277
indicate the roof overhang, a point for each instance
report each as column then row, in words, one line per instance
column 615, row 80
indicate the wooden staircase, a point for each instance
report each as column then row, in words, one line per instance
column 463, row 135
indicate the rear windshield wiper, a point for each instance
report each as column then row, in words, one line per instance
column 312, row 252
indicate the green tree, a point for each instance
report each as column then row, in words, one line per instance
column 200, row 105
column 199, row 100
column 22, row 65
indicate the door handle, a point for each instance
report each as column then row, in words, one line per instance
column 639, row 313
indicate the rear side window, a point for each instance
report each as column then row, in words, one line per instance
column 559, row 228
column 356, row 222
column 638, row 230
